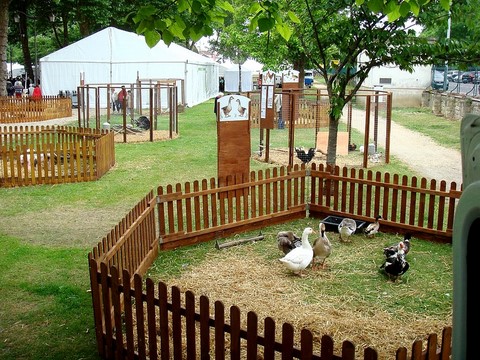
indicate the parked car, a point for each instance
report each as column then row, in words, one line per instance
column 452, row 75
column 308, row 78
column 468, row 77
column 438, row 80
column 476, row 79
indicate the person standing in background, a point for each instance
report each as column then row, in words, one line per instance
column 114, row 99
column 18, row 86
column 278, row 109
column 122, row 96
column 37, row 93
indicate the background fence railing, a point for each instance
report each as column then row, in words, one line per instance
column 17, row 110
column 126, row 314
column 33, row 155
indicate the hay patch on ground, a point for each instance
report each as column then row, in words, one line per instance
column 144, row 136
column 242, row 277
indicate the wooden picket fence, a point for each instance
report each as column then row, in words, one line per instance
column 34, row 155
column 18, row 110
column 134, row 319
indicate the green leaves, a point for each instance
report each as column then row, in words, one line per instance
column 399, row 9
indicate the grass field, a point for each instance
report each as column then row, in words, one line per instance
column 47, row 231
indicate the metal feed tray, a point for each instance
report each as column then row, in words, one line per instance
column 331, row 223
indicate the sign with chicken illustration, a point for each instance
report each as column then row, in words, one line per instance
column 233, row 108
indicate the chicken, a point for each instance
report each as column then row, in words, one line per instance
column 305, row 157
column 287, row 241
column 322, row 248
column 299, row 258
column 241, row 110
column 373, row 228
column 228, row 108
column 346, row 228
column 395, row 264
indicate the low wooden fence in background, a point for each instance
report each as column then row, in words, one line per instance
column 17, row 110
column 53, row 154
column 131, row 321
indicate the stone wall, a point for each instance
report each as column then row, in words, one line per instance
column 451, row 106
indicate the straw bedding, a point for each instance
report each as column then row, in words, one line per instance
column 242, row 277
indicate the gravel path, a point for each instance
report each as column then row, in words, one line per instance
column 421, row 153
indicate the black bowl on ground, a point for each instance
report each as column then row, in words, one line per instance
column 332, row 222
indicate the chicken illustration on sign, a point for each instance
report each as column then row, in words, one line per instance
column 234, row 107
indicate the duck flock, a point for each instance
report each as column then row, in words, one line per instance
column 299, row 253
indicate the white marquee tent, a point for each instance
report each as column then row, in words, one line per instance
column 232, row 75
column 113, row 56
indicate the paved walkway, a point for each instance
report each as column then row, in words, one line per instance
column 421, row 153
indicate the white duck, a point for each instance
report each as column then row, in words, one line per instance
column 299, row 258
column 346, row 228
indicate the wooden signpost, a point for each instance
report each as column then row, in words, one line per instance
column 233, row 136
column 267, row 93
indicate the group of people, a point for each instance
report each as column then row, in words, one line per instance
column 15, row 87
column 118, row 98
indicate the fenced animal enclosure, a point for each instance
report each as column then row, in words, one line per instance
column 133, row 320
column 17, row 110
column 34, row 155
column 309, row 109
column 157, row 102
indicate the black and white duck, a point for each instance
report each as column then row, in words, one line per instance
column 406, row 242
column 395, row 264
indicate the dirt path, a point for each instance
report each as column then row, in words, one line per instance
column 421, row 153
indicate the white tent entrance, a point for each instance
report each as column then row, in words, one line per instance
column 113, row 56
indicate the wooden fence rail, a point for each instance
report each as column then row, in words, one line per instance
column 406, row 204
column 201, row 211
column 16, row 110
column 53, row 154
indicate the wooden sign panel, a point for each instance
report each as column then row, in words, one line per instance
column 233, row 136
column 266, row 100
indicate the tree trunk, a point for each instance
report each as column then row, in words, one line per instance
column 23, row 31
column 239, row 78
column 3, row 45
column 332, row 140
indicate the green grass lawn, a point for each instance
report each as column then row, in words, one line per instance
column 47, row 231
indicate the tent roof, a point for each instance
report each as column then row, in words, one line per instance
column 112, row 45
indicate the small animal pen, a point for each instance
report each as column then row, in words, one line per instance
column 153, row 100
column 16, row 110
column 53, row 154
column 309, row 108
column 137, row 319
